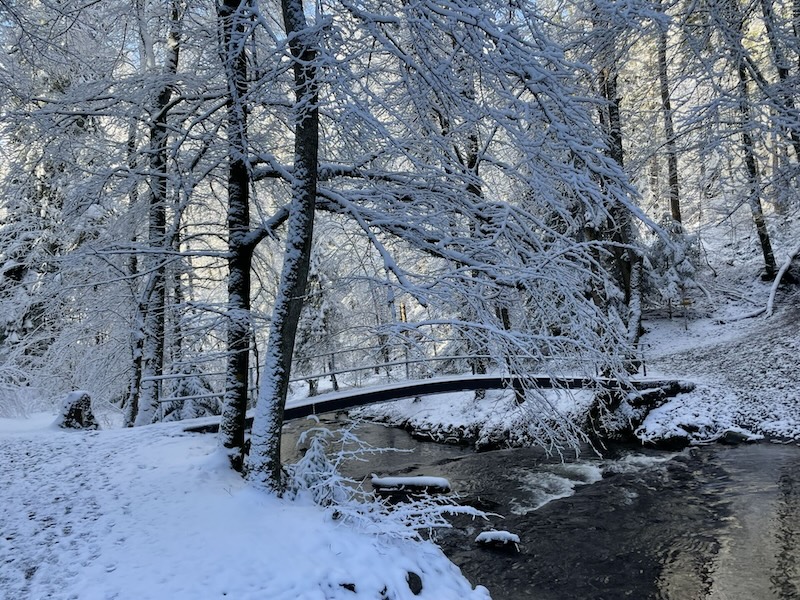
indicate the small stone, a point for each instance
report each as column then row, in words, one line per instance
column 414, row 583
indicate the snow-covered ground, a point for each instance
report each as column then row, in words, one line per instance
column 746, row 370
column 154, row 513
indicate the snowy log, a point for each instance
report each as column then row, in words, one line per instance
column 498, row 539
column 418, row 483
column 76, row 412
column 781, row 272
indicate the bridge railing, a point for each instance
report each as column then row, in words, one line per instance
column 401, row 355
column 398, row 358
column 374, row 374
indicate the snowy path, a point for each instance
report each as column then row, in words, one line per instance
column 71, row 501
column 748, row 368
column 53, row 523
column 154, row 513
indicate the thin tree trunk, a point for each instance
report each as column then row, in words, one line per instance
column 134, row 385
column 155, row 302
column 264, row 462
column 240, row 250
column 782, row 67
column 731, row 24
column 753, row 179
column 625, row 255
column 796, row 29
column 131, row 405
column 655, row 179
column 669, row 128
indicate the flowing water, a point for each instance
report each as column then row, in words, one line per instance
column 712, row 522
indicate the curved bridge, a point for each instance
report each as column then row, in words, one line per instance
column 646, row 390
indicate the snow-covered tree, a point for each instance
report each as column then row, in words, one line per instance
column 395, row 158
column 672, row 263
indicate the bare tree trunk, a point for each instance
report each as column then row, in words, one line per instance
column 782, row 67
column 731, row 26
column 264, row 462
column 753, row 179
column 796, row 29
column 155, row 302
column 240, row 251
column 626, row 257
column 131, row 405
column 669, row 128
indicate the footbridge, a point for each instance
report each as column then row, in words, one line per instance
column 641, row 391
column 339, row 378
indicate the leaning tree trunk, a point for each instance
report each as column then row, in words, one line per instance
column 264, row 461
column 240, row 250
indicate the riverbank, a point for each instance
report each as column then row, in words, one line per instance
column 744, row 369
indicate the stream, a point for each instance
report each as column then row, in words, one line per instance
column 709, row 522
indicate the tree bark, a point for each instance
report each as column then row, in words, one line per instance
column 753, row 179
column 233, row 22
column 153, row 318
column 669, row 128
column 626, row 257
column 782, row 68
column 264, row 461
column 732, row 25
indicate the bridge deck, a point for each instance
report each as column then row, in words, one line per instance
column 350, row 398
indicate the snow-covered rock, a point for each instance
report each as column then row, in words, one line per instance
column 76, row 412
column 498, row 538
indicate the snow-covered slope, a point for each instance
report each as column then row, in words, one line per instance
column 746, row 370
column 154, row 513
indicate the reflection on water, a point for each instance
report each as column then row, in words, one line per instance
column 758, row 551
column 712, row 522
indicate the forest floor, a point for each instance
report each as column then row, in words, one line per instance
column 746, row 370
column 154, row 513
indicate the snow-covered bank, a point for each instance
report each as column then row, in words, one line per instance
column 745, row 371
column 493, row 421
column 154, row 512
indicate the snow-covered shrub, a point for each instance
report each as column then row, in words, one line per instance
column 671, row 263
column 317, row 476
column 18, row 396
column 193, row 397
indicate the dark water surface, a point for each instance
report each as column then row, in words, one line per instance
column 712, row 522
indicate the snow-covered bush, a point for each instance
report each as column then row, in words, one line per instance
column 18, row 398
column 316, row 476
column 193, row 397
column 671, row 263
